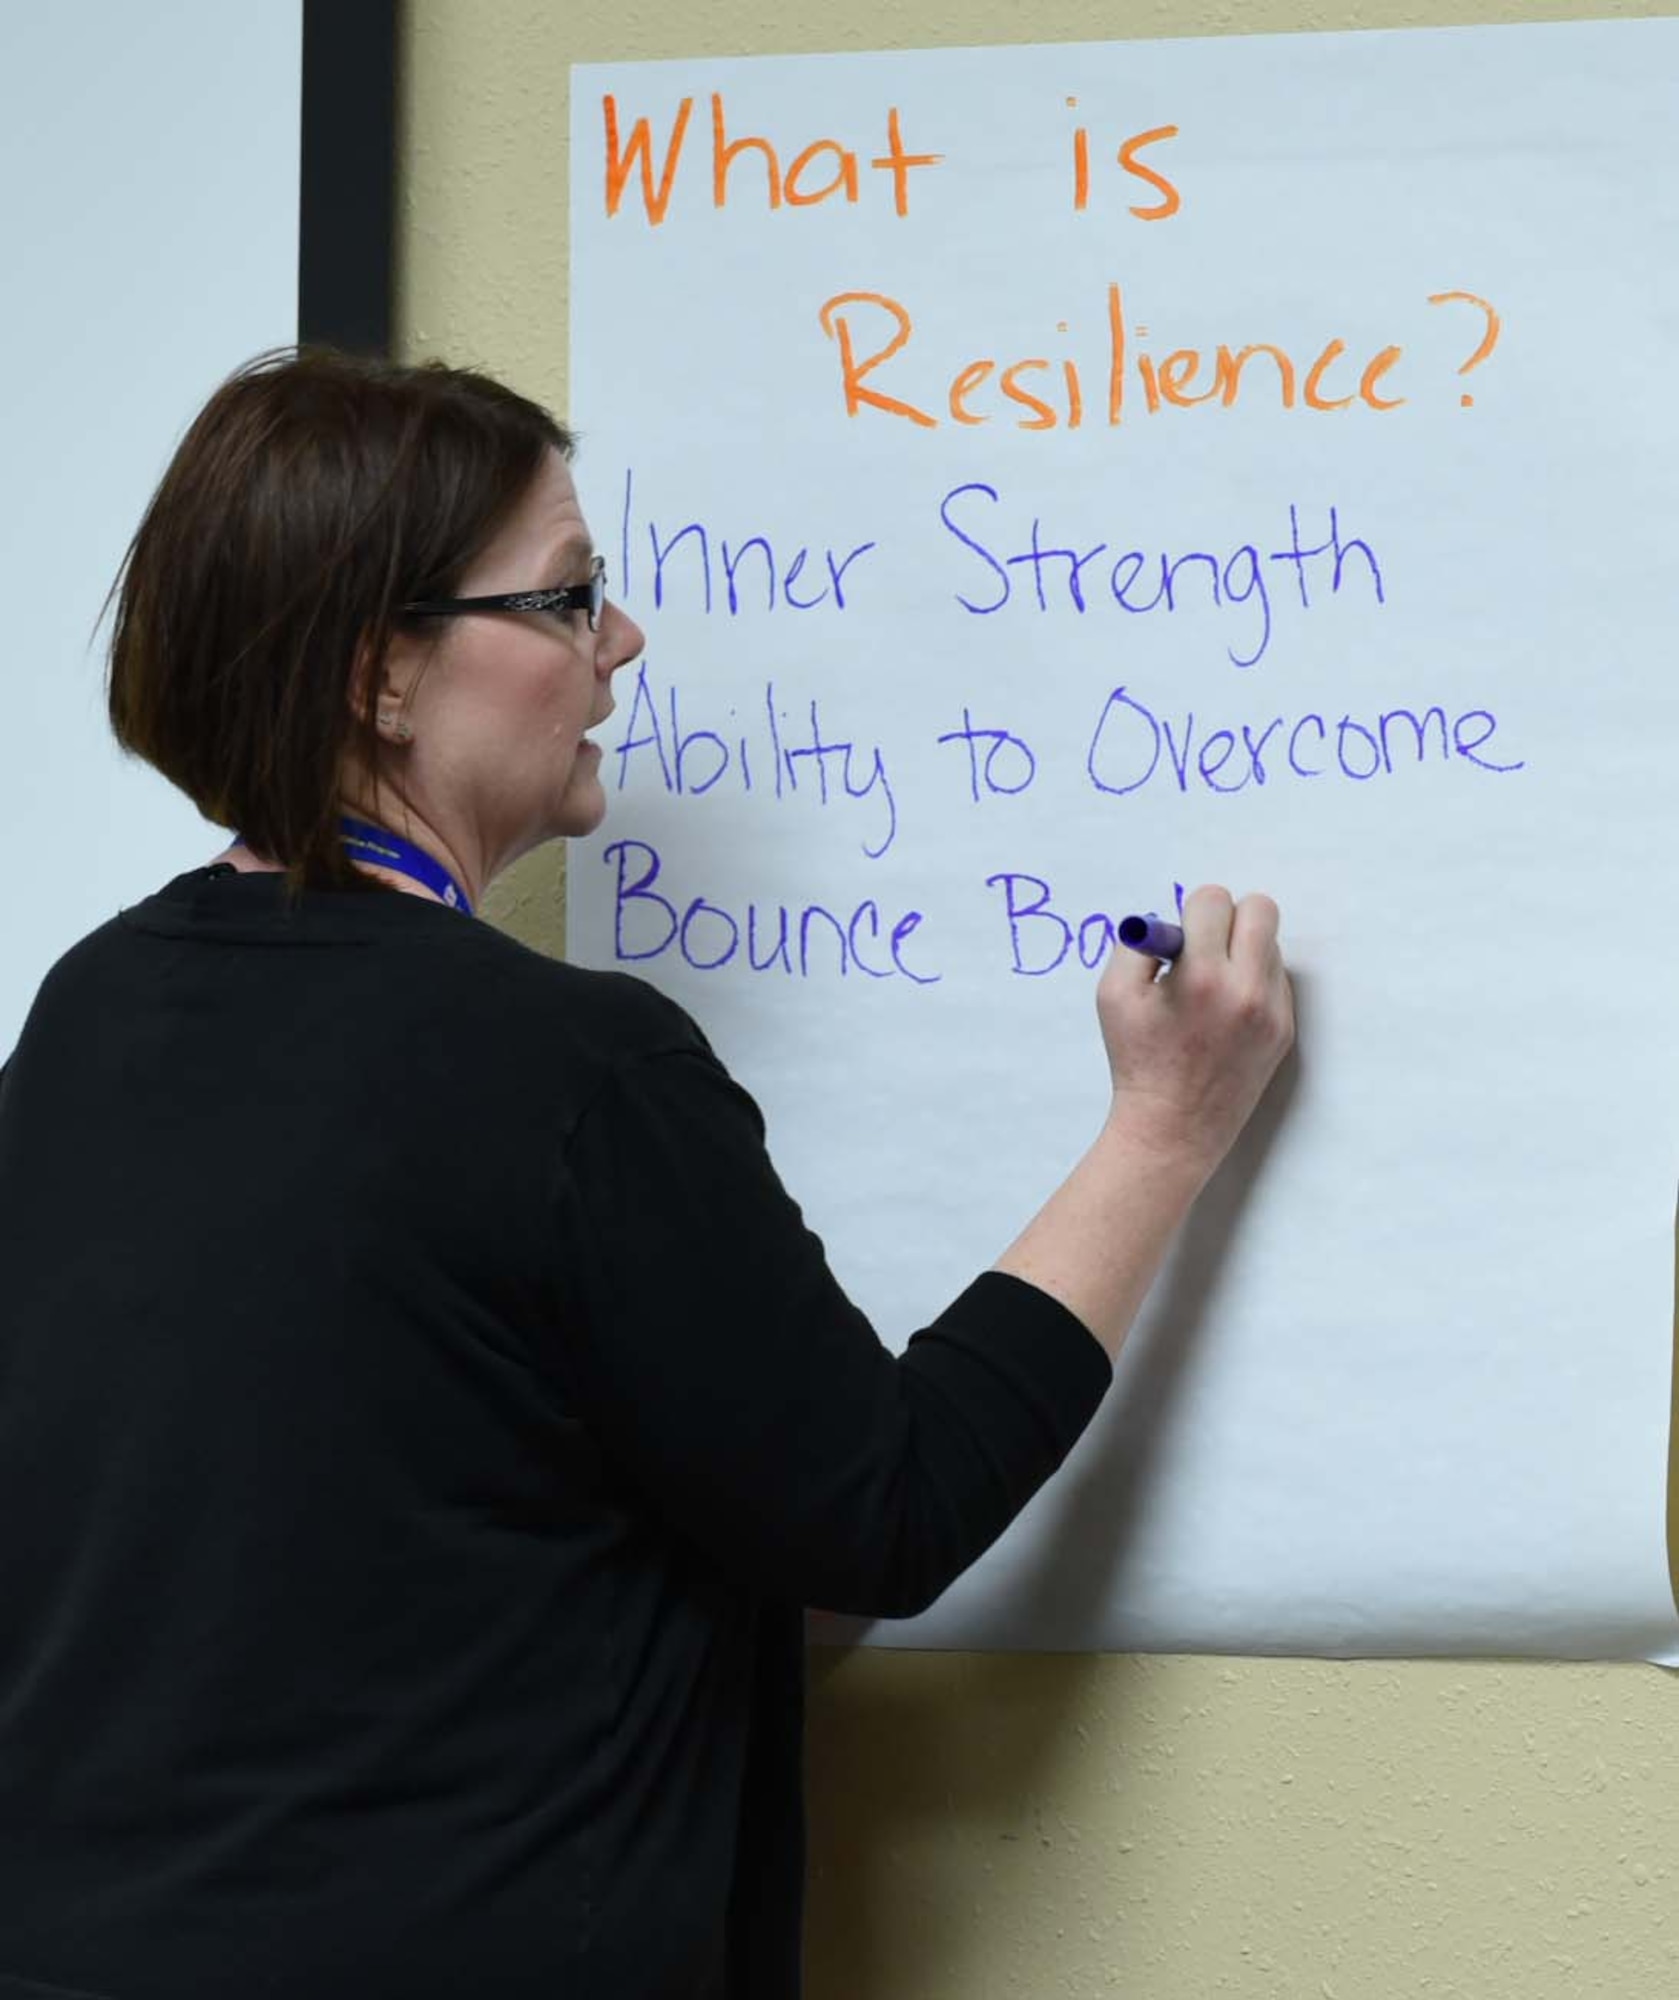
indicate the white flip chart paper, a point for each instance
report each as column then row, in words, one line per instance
column 1050, row 476
column 149, row 169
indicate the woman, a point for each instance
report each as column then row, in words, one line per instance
column 423, row 1414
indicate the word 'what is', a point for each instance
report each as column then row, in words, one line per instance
column 824, row 169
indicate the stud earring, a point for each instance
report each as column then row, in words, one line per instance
column 397, row 727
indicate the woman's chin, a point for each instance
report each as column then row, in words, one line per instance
column 584, row 806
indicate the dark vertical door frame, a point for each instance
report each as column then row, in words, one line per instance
column 347, row 206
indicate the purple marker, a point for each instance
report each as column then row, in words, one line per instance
column 1152, row 935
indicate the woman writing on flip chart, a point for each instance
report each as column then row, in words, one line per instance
column 423, row 1413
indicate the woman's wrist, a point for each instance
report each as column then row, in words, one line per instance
column 1145, row 1135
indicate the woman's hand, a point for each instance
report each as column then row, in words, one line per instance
column 1191, row 1050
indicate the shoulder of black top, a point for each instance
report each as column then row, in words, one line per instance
column 217, row 869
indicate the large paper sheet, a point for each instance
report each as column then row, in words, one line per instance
column 149, row 224
column 1051, row 476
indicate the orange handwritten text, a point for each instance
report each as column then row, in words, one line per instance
column 819, row 171
column 1170, row 200
column 620, row 159
column 1044, row 392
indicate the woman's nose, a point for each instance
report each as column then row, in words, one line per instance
column 621, row 639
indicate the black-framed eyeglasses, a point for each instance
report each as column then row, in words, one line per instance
column 589, row 597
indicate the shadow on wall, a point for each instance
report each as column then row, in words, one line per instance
column 1094, row 1505
column 926, row 1772
column 923, row 1767
column 1087, row 1514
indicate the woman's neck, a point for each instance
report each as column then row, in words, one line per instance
column 247, row 862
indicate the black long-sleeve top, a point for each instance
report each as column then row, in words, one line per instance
column 423, row 1416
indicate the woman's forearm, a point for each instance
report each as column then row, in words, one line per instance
column 1098, row 1243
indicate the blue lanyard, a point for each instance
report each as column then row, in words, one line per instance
column 402, row 857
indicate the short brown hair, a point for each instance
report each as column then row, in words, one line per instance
column 313, row 495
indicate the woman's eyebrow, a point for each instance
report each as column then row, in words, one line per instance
column 573, row 549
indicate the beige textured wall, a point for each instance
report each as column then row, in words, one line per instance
column 1167, row 1829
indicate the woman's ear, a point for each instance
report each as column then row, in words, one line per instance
column 385, row 693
